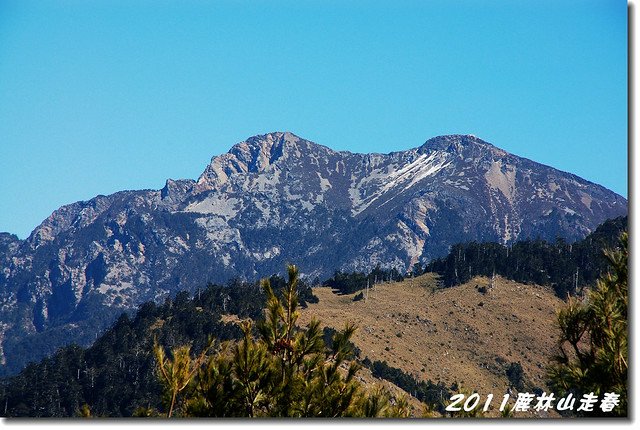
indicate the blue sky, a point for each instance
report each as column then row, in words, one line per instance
column 102, row 96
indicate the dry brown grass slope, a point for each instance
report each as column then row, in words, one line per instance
column 451, row 335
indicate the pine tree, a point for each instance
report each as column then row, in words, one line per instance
column 594, row 341
column 287, row 371
column 176, row 372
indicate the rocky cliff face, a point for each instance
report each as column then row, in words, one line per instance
column 273, row 199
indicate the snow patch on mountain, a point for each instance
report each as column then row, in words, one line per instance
column 398, row 180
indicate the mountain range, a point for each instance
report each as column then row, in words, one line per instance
column 273, row 199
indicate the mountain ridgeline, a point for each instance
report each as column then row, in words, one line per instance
column 270, row 200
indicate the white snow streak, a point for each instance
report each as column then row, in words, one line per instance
column 422, row 167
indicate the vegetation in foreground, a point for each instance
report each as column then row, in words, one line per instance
column 284, row 372
column 594, row 347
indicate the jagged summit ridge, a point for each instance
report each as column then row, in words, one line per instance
column 258, row 154
column 270, row 151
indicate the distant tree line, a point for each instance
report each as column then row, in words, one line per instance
column 567, row 267
column 352, row 282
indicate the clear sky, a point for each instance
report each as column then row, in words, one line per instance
column 101, row 96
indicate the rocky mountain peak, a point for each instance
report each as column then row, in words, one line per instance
column 459, row 143
column 258, row 154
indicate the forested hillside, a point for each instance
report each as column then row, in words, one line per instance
column 116, row 374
